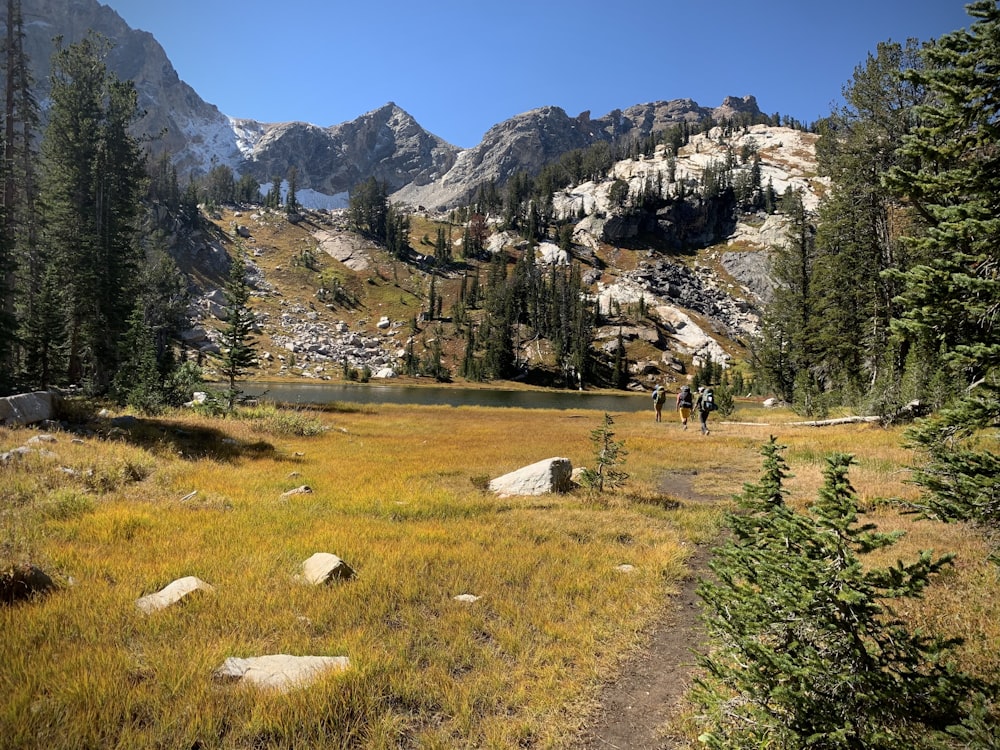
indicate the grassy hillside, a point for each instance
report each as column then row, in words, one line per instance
column 302, row 279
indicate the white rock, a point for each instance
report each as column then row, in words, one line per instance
column 547, row 475
column 27, row 408
column 324, row 567
column 469, row 598
column 171, row 594
column 279, row 671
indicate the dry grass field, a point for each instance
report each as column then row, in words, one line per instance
column 396, row 492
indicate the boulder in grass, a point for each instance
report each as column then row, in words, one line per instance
column 23, row 582
column 27, row 408
column 324, row 567
column 548, row 475
column 279, row 671
column 171, row 594
column 305, row 489
column 467, row 598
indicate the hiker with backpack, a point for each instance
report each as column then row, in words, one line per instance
column 659, row 397
column 704, row 404
column 684, row 404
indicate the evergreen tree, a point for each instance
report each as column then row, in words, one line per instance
column 368, row 209
column 92, row 182
column 138, row 382
column 220, row 186
column 292, row 200
column 8, row 320
column 43, row 332
column 609, row 458
column 781, row 355
column 809, row 652
column 20, row 270
column 619, row 369
column 239, row 350
column 860, row 224
column 950, row 300
column 442, row 248
column 496, row 330
column 247, row 190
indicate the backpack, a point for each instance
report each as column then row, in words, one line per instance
column 685, row 397
column 708, row 401
column 659, row 395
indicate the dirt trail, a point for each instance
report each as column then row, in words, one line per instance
column 634, row 708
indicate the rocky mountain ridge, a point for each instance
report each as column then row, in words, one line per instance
column 387, row 143
column 705, row 302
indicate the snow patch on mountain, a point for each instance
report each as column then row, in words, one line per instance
column 210, row 142
column 311, row 199
column 248, row 134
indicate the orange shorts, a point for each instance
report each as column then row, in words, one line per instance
column 685, row 412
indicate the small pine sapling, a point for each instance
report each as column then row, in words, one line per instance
column 807, row 649
column 609, row 457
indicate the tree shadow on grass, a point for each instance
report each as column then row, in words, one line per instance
column 190, row 442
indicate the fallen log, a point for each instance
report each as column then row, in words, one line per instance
column 831, row 422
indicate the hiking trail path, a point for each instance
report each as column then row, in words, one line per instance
column 636, row 706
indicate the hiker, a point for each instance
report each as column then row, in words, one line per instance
column 659, row 397
column 704, row 403
column 684, row 404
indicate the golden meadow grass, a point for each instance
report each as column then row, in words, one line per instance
column 394, row 493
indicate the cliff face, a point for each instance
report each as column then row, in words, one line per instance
column 180, row 122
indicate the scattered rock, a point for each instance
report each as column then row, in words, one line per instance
column 279, row 671
column 305, row 489
column 23, row 582
column 468, row 598
column 625, row 568
column 171, row 594
column 324, row 567
column 548, row 475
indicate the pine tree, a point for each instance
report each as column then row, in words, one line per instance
column 292, row 199
column 808, row 650
column 859, row 228
column 92, row 182
column 239, row 351
column 782, row 353
column 619, row 369
column 609, row 458
column 950, row 301
column 20, row 270
column 138, row 382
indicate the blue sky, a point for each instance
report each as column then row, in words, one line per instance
column 461, row 66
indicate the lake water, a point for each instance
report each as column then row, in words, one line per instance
column 431, row 395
